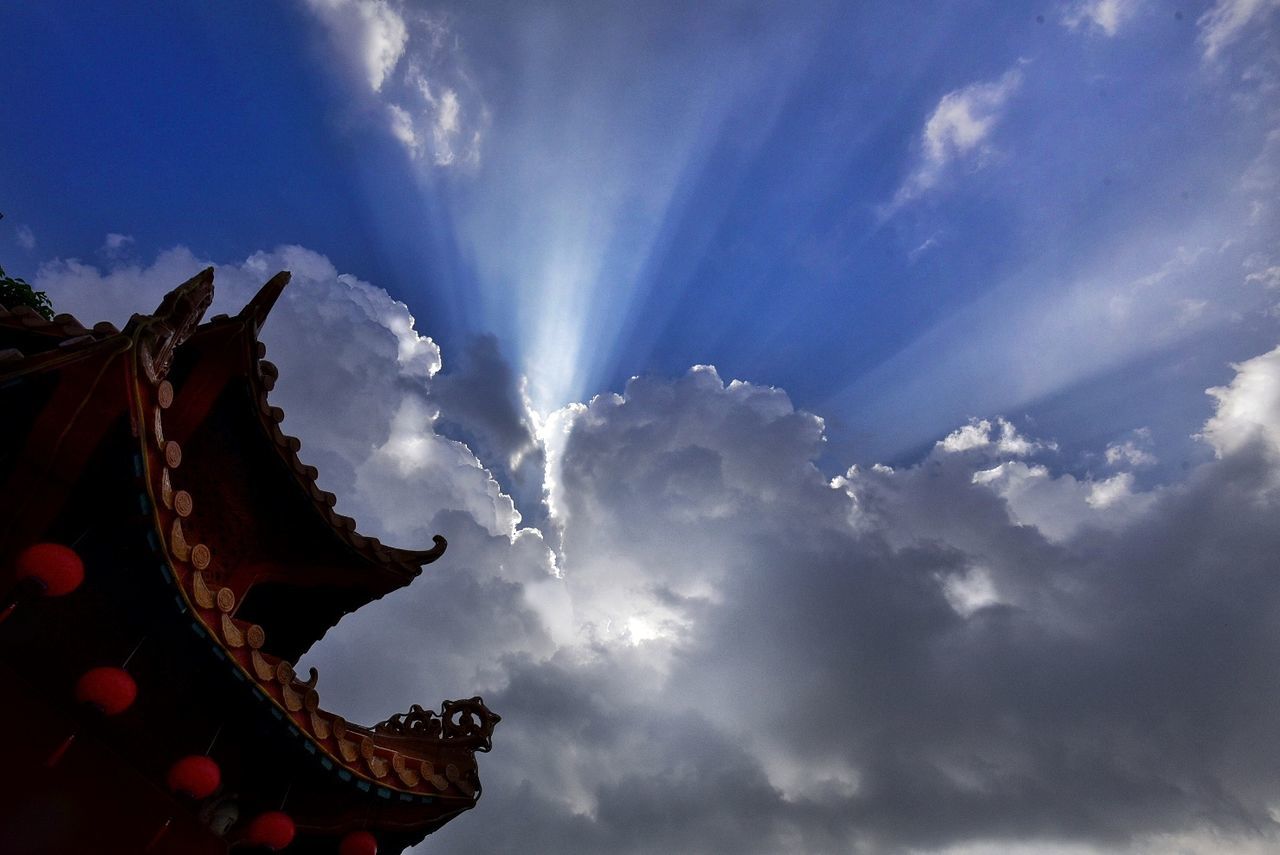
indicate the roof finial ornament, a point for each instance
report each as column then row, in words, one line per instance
column 159, row 334
column 257, row 309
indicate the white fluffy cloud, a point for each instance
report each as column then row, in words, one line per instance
column 1059, row 506
column 1248, row 408
column 710, row 646
column 372, row 34
column 414, row 67
column 957, row 130
column 1001, row 437
column 1134, row 452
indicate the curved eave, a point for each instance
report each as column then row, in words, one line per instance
column 444, row 783
column 25, row 323
column 30, row 344
column 234, row 340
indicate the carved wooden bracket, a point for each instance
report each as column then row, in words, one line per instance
column 177, row 317
column 467, row 724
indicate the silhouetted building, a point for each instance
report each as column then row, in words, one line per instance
column 153, row 706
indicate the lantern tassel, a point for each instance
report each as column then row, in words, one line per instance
column 155, row 838
column 56, row 756
column 20, row 593
column 287, row 788
column 133, row 652
column 214, row 741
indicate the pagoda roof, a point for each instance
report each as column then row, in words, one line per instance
column 226, row 351
column 257, row 559
column 23, row 325
column 222, row 352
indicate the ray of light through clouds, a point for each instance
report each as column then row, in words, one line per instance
column 604, row 154
column 979, row 554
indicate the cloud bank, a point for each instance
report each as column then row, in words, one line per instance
column 708, row 645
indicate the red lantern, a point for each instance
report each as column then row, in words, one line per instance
column 56, row 567
column 196, row 776
column 358, row 843
column 272, row 830
column 111, row 690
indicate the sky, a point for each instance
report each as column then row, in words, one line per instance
column 856, row 427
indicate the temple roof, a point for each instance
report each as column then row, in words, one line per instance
column 250, row 548
column 223, row 409
column 226, row 360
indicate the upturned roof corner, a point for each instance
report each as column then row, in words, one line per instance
column 257, row 309
column 158, row 448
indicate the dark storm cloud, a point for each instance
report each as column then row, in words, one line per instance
column 1117, row 687
column 1123, row 686
column 1128, row 689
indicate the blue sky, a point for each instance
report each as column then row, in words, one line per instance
column 1000, row 249
column 635, row 191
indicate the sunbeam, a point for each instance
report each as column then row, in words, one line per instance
column 604, row 160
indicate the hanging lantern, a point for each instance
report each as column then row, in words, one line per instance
column 56, row 567
column 358, row 843
column 43, row 568
column 195, row 776
column 110, row 690
column 272, row 830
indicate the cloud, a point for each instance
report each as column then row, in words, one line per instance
column 982, row 434
column 415, row 68
column 956, row 130
column 1134, row 452
column 115, row 245
column 1106, row 16
column 1248, row 408
column 1229, row 20
column 906, row 658
column 373, row 34
column 1060, row 506
column 26, row 237
column 928, row 244
column 1040, row 333
column 726, row 650
column 1268, row 277
column 402, row 127
column 483, row 403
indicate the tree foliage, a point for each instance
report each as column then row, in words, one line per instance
column 16, row 292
